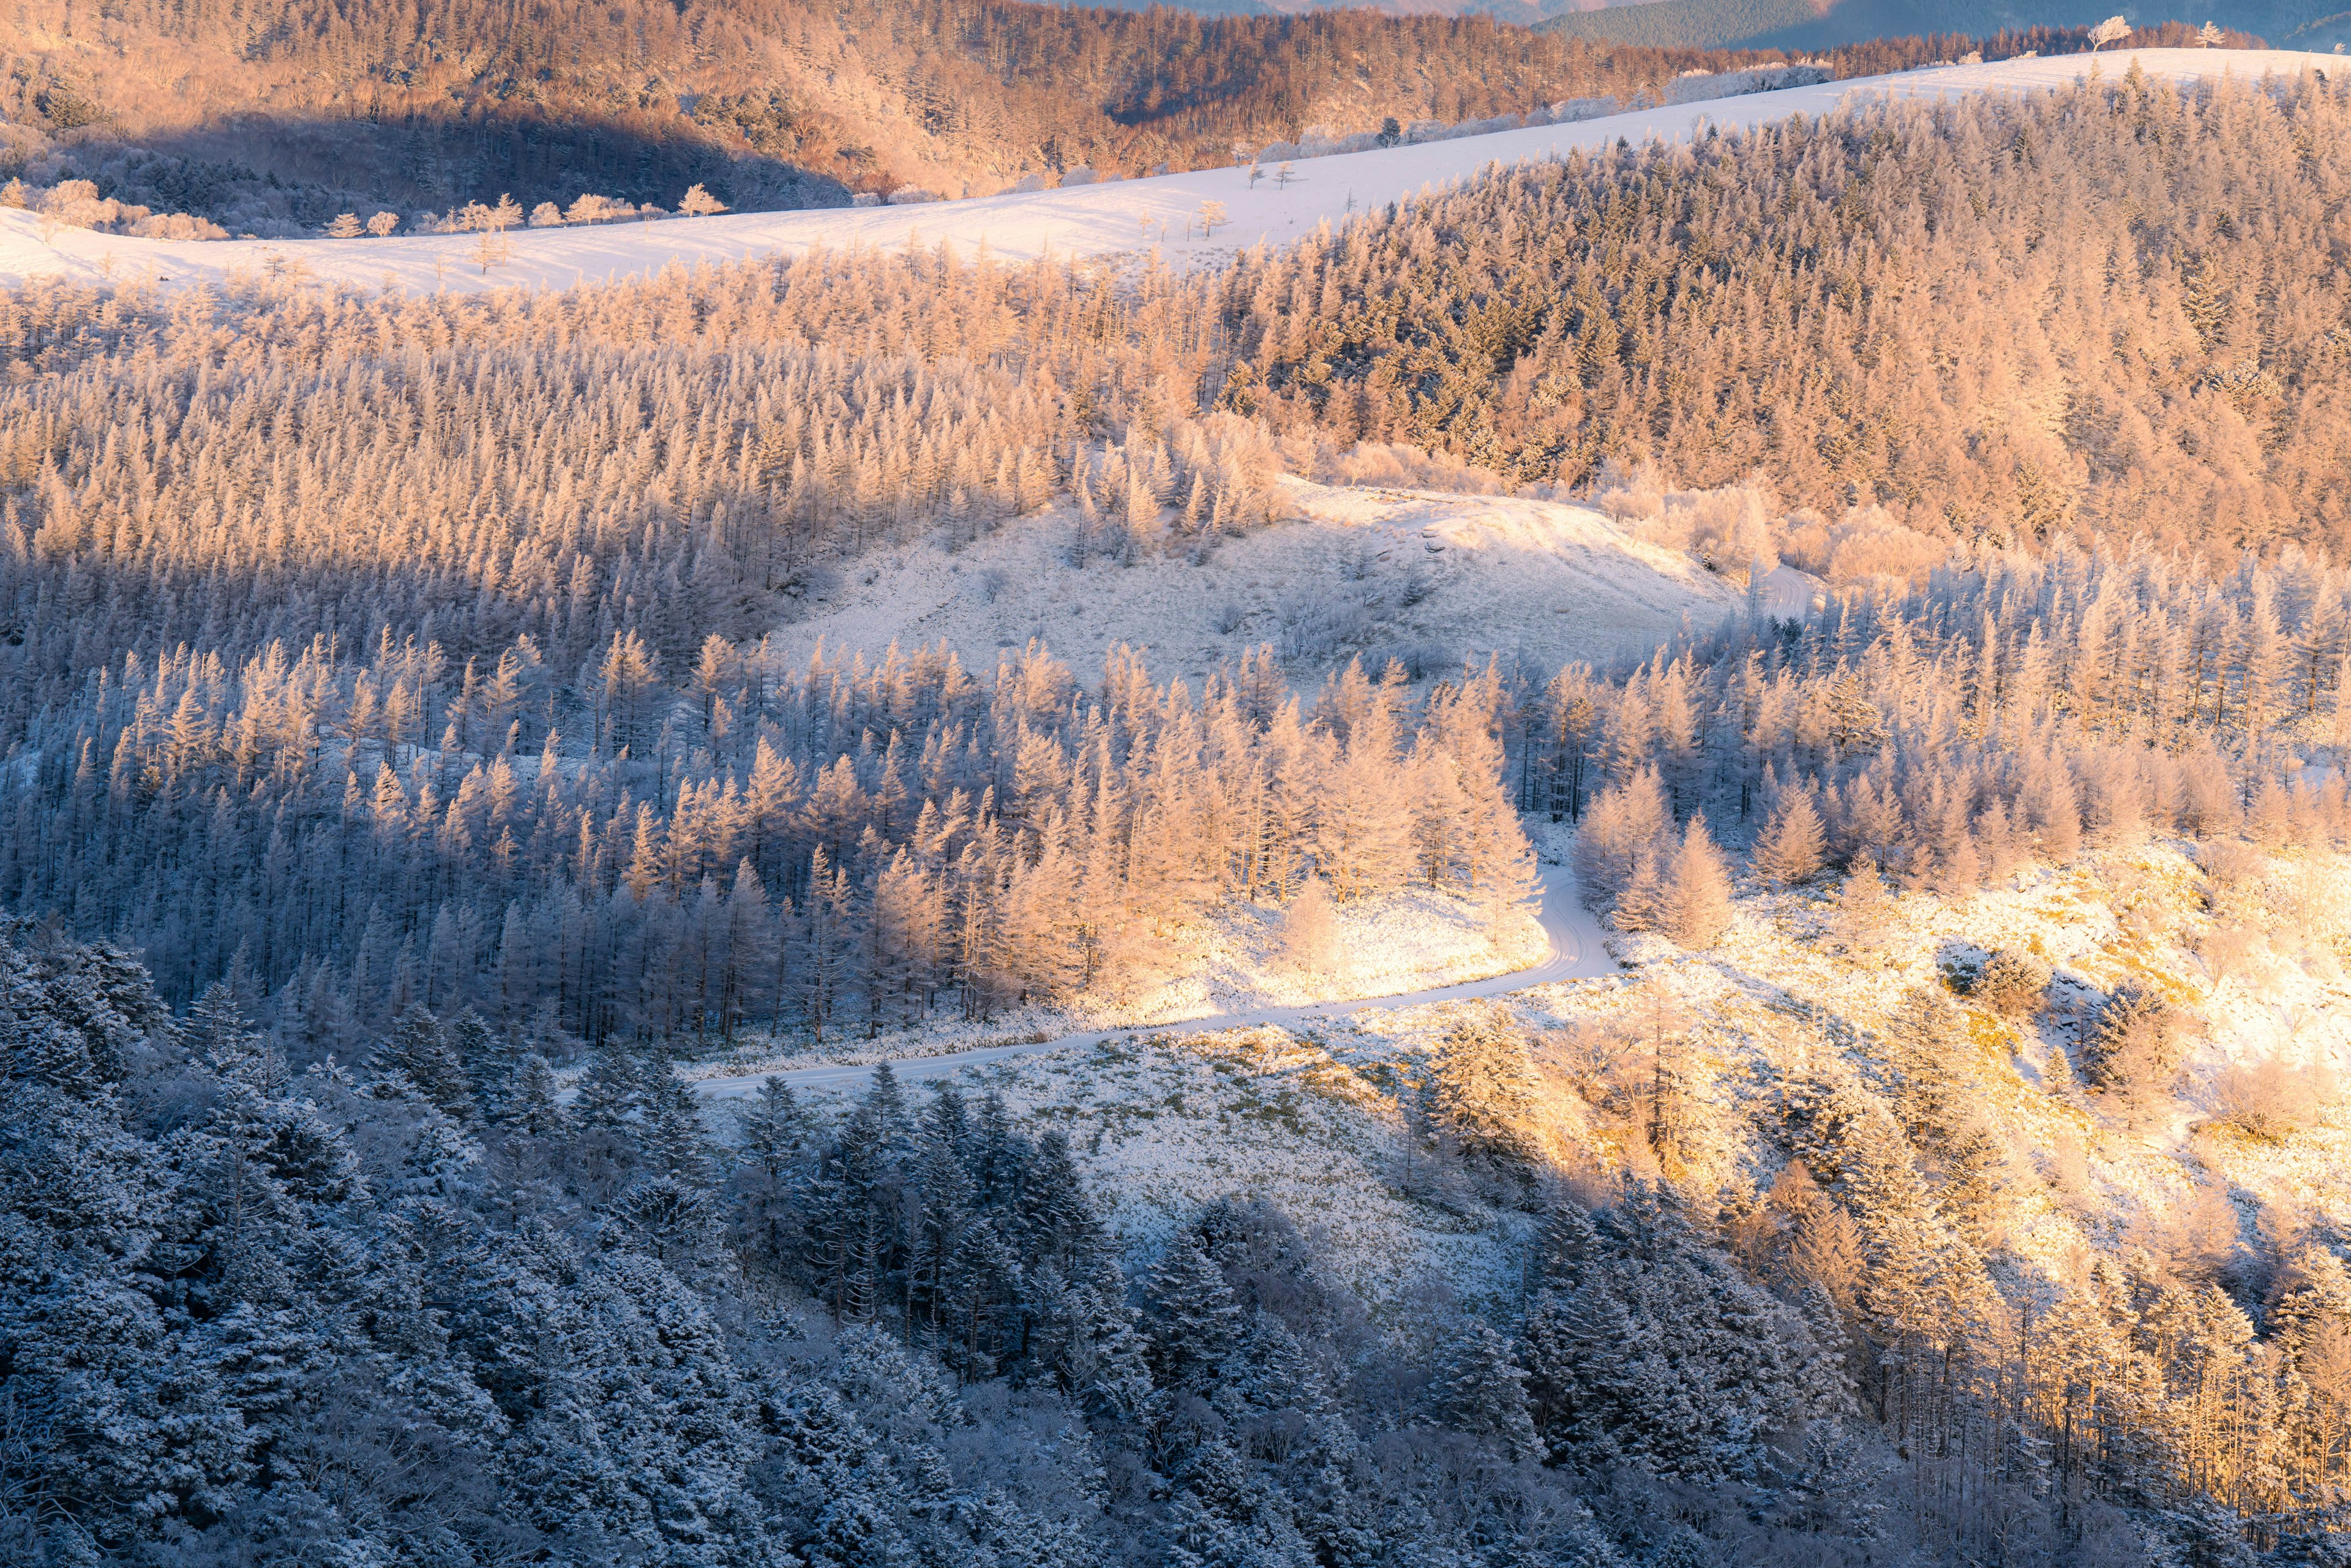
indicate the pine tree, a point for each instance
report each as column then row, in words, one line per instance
column 1478, row 1388
column 776, row 1130
column 1481, row 1090
column 1696, row 906
column 419, row 1049
column 1194, row 1321
column 1793, row 844
column 530, row 1104
column 1309, row 934
column 1863, row 910
column 2137, row 1044
column 613, row 1088
column 2010, row 984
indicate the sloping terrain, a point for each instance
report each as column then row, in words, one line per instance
column 1808, row 25
column 1188, row 218
column 284, row 113
column 1372, row 573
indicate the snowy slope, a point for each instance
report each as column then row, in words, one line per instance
column 1453, row 576
column 1090, row 220
column 1576, row 951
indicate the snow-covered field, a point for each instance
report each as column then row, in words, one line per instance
column 1304, row 1109
column 1409, row 949
column 1109, row 219
column 1291, row 1102
column 1355, row 571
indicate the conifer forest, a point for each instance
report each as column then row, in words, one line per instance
column 870, row 906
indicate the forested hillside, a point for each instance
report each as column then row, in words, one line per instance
column 398, row 775
column 2123, row 309
column 451, row 584
column 1798, row 25
column 291, row 114
column 399, row 1314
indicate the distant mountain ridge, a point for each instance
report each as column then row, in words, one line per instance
column 1803, row 25
column 1816, row 24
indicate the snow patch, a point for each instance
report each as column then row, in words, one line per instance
column 1370, row 572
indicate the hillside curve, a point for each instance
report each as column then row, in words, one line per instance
column 1576, row 951
column 1126, row 218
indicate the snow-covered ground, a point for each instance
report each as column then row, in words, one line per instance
column 1114, row 218
column 1562, row 943
column 1360, row 571
column 1301, row 1106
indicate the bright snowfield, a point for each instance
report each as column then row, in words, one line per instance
column 1405, row 939
column 1119, row 217
column 1351, row 572
column 1304, row 1107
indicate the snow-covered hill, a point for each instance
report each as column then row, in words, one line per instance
column 1115, row 218
column 1369, row 572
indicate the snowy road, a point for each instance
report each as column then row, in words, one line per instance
column 1123, row 216
column 1576, row 953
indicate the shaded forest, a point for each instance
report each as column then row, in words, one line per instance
column 423, row 1311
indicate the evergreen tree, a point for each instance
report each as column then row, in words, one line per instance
column 1193, row 1320
column 1478, row 1388
column 419, row 1049
column 1794, row 844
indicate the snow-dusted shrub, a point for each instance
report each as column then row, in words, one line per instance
column 592, row 208
column 1698, row 87
column 1568, row 111
column 2231, row 949
column 1315, row 629
column 2010, row 984
column 1487, row 127
column 1402, row 465
column 1418, row 657
column 1868, row 542
column 2138, row 1044
column 175, row 226
column 1724, row 528
column 2271, row 1098
column 76, row 203
column 1626, row 493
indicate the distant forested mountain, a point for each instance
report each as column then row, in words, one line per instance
column 1805, row 25
column 297, row 111
column 274, row 121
